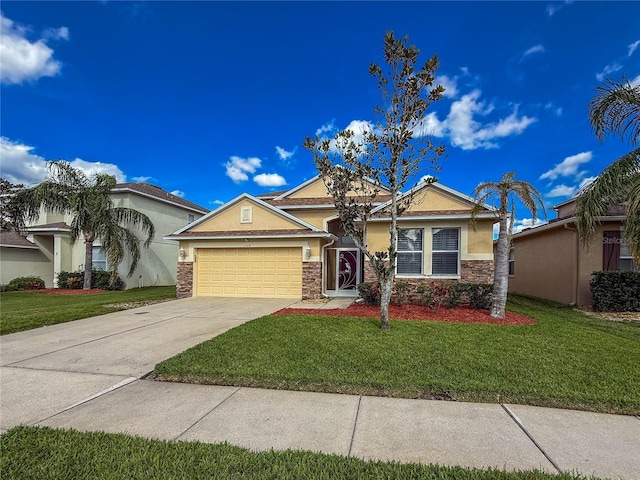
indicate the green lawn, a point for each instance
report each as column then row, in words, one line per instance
column 38, row 453
column 25, row 310
column 565, row 360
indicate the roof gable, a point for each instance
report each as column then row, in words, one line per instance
column 246, row 213
column 315, row 188
column 157, row 193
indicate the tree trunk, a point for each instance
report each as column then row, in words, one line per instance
column 88, row 264
column 386, row 288
column 501, row 272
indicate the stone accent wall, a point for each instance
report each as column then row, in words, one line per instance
column 476, row 271
column 184, row 283
column 311, row 280
column 369, row 275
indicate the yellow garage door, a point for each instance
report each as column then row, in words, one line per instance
column 249, row 272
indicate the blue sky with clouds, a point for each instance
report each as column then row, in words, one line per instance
column 212, row 99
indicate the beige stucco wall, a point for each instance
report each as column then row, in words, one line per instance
column 545, row 265
column 316, row 217
column 23, row 262
column 262, row 219
column 313, row 190
column 429, row 199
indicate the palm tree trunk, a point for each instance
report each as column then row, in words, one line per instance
column 88, row 264
column 501, row 272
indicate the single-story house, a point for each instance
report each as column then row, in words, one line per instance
column 46, row 248
column 291, row 244
column 550, row 262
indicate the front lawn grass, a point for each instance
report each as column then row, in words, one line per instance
column 25, row 310
column 38, row 453
column 566, row 359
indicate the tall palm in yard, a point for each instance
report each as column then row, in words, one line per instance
column 502, row 193
column 95, row 217
column 614, row 110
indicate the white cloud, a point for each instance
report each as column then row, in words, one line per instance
column 22, row 60
column 633, row 46
column 466, row 132
column 556, row 110
column 326, row 128
column 450, row 85
column 217, row 202
column 237, row 168
column 554, row 8
column 635, row 82
column 539, row 48
column 561, row 191
column 585, row 182
column 21, row 165
column 568, row 167
column 520, row 225
column 269, row 180
column 178, row 193
column 607, row 70
column 141, row 179
column 284, row 154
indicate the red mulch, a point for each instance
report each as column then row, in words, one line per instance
column 416, row 312
column 62, row 291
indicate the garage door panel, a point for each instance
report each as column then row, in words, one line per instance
column 255, row 272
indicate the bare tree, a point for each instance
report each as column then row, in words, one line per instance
column 384, row 156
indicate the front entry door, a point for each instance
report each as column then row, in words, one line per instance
column 343, row 271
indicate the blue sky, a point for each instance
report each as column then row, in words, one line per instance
column 212, row 99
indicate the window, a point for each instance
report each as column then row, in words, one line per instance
column 190, row 218
column 512, row 262
column 409, row 261
column 245, row 215
column 444, row 251
column 626, row 259
column 99, row 259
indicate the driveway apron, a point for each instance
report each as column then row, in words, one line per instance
column 51, row 369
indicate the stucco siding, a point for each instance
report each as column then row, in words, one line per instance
column 545, row 265
column 431, row 199
column 261, row 219
column 23, row 262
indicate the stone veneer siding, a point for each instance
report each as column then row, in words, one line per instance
column 184, row 283
column 471, row 271
column 311, row 280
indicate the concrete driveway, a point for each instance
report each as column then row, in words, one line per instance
column 50, row 369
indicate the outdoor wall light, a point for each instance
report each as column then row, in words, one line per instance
column 182, row 253
column 307, row 253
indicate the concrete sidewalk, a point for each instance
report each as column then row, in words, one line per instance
column 89, row 375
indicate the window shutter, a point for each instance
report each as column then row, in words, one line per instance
column 611, row 250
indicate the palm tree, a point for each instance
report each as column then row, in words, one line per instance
column 504, row 192
column 614, row 110
column 87, row 199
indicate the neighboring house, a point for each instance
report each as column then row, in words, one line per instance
column 46, row 250
column 550, row 262
column 291, row 244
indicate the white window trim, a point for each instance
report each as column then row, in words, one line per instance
column 446, row 275
column 411, row 275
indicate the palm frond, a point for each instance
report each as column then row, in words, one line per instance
column 616, row 110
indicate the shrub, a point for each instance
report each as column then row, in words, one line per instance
column 369, row 292
column 24, row 283
column 454, row 298
column 434, row 294
column 615, row 291
column 401, row 290
column 100, row 279
column 480, row 295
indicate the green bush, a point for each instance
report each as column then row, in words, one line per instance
column 369, row 292
column 480, row 295
column 100, row 279
column 401, row 291
column 615, row 291
column 24, row 283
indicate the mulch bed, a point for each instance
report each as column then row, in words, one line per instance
column 62, row 291
column 416, row 312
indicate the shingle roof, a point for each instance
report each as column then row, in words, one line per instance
column 315, row 201
column 251, row 233
column 15, row 239
column 160, row 194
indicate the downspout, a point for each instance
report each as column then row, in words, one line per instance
column 324, row 264
column 576, row 271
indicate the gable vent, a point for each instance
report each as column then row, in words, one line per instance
column 245, row 215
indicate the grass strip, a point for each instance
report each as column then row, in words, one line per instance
column 26, row 310
column 565, row 360
column 41, row 452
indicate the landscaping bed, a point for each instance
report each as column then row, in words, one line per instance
column 418, row 312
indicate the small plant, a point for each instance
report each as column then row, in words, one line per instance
column 24, row 283
column 616, row 291
column 370, row 293
column 434, row 294
column 480, row 296
column 454, row 297
column 401, row 291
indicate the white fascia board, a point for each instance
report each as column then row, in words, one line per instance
column 435, row 217
column 299, row 187
column 251, row 198
column 47, row 230
column 158, row 199
column 240, row 237
column 566, row 221
column 26, row 247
